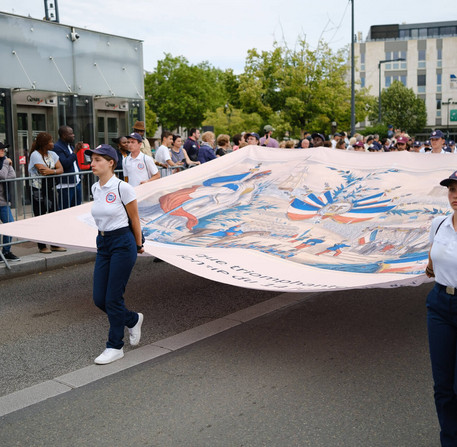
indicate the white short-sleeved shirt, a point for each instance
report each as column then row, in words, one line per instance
column 37, row 159
column 162, row 154
column 108, row 210
column 444, row 251
column 139, row 169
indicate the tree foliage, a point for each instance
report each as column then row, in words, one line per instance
column 181, row 93
column 151, row 120
column 292, row 89
column 232, row 121
column 402, row 108
column 300, row 89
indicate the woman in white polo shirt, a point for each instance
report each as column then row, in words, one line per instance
column 117, row 247
column 442, row 315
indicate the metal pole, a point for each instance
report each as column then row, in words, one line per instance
column 352, row 74
column 379, row 94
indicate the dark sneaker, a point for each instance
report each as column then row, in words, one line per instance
column 11, row 257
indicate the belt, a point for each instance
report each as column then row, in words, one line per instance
column 448, row 289
column 114, row 232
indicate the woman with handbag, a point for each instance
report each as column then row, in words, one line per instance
column 119, row 240
column 44, row 162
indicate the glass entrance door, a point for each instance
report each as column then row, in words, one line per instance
column 109, row 125
column 29, row 124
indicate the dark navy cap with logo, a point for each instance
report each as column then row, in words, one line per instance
column 103, row 149
column 449, row 180
column 136, row 136
column 436, row 134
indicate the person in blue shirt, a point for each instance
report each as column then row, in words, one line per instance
column 206, row 151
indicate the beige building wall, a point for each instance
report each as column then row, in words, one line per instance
column 440, row 59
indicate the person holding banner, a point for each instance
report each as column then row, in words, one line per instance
column 442, row 315
column 119, row 240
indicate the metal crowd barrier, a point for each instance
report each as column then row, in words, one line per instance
column 28, row 201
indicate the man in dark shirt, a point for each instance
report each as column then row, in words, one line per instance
column 191, row 145
column 70, row 186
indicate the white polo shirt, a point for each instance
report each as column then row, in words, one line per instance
column 163, row 154
column 108, row 210
column 444, row 251
column 138, row 169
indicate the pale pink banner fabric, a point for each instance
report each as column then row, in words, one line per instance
column 292, row 220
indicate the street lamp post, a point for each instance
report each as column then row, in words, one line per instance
column 448, row 103
column 379, row 68
column 352, row 73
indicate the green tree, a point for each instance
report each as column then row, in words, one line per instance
column 151, row 120
column 300, row 89
column 181, row 93
column 231, row 121
column 402, row 108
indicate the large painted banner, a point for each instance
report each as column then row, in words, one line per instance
column 290, row 220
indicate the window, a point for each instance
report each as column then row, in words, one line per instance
column 438, row 82
column 403, row 63
column 421, row 82
column 423, row 32
column 421, row 59
column 405, row 33
column 362, row 61
column 448, row 31
column 433, row 32
column 439, row 56
column 390, row 79
column 388, row 66
column 438, row 108
column 362, row 81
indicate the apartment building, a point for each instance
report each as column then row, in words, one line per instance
column 429, row 66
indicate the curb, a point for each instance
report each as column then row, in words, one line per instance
column 76, row 379
column 38, row 263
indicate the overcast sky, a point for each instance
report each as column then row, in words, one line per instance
column 221, row 31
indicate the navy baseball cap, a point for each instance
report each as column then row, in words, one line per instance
column 253, row 134
column 449, row 180
column 103, row 149
column 417, row 144
column 451, row 143
column 318, row 135
column 436, row 134
column 136, row 136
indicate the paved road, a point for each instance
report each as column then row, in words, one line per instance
column 337, row 369
column 50, row 326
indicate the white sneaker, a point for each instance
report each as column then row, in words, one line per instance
column 109, row 355
column 135, row 331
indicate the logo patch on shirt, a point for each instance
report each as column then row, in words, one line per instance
column 110, row 197
column 140, row 166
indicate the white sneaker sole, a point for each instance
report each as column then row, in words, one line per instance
column 135, row 338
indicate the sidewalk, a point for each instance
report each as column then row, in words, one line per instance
column 32, row 261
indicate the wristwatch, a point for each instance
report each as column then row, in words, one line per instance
column 139, row 247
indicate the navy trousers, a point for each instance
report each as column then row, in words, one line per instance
column 442, row 334
column 116, row 256
column 70, row 196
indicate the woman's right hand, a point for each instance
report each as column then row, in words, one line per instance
column 429, row 271
column 46, row 171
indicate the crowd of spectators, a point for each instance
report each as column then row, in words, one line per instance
column 207, row 147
